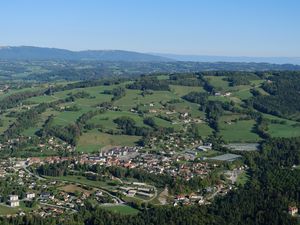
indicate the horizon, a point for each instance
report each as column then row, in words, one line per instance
column 212, row 28
column 163, row 54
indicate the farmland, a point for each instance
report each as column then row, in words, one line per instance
column 167, row 107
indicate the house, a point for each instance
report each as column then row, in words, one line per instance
column 14, row 201
column 30, row 195
column 293, row 210
column 13, row 198
column 45, row 196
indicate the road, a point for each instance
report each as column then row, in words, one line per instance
column 32, row 174
column 120, row 201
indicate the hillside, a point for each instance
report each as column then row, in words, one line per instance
column 238, row 106
column 37, row 53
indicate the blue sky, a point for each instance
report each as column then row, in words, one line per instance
column 204, row 27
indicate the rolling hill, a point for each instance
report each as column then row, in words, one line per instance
column 38, row 53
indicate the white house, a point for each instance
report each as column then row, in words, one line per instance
column 30, row 195
column 14, row 201
column 13, row 198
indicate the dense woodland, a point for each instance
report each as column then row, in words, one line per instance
column 283, row 99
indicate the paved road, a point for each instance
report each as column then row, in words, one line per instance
column 32, row 174
column 120, row 201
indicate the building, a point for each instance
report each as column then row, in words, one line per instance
column 14, row 201
column 13, row 198
column 30, row 195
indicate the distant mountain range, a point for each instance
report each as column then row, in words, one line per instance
column 244, row 59
column 38, row 53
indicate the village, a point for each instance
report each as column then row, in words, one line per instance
column 51, row 197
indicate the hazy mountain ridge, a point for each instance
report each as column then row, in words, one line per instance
column 242, row 59
column 38, row 53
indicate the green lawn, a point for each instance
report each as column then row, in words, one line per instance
column 218, row 82
column 290, row 128
column 243, row 94
column 183, row 90
column 284, row 130
column 94, row 141
column 42, row 99
column 7, row 121
column 106, row 119
column 6, row 210
column 240, row 131
column 121, row 209
column 191, row 108
column 134, row 97
column 67, row 117
column 204, row 129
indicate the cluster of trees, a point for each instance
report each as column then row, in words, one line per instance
column 241, row 78
column 213, row 110
column 200, row 98
column 54, row 169
column 129, row 127
column 17, row 98
column 284, row 98
column 149, row 83
column 261, row 127
column 117, row 93
column 186, row 79
column 71, row 132
column 81, row 94
column 25, row 120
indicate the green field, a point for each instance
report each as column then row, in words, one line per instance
column 165, row 107
column 218, row 82
column 94, row 141
column 284, row 130
column 290, row 128
column 204, row 129
column 183, row 90
column 6, row 210
column 121, row 209
column 240, row 131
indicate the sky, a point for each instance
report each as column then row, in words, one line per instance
column 194, row 27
